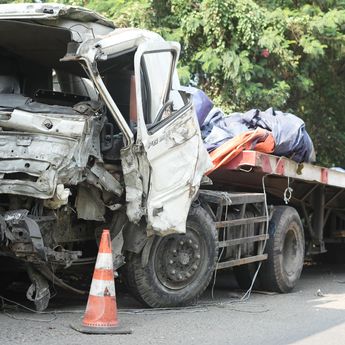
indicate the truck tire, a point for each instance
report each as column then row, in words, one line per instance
column 179, row 266
column 285, row 249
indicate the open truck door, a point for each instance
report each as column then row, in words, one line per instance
column 169, row 134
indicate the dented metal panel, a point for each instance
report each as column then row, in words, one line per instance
column 23, row 153
column 177, row 161
column 47, row 155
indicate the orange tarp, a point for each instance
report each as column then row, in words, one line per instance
column 258, row 140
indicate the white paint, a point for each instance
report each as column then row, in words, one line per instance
column 303, row 171
column 102, row 288
column 62, row 125
column 104, row 261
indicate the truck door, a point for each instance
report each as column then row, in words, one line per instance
column 168, row 132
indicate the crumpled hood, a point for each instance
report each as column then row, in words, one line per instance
column 52, row 11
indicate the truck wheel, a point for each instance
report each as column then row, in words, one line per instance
column 179, row 267
column 285, row 249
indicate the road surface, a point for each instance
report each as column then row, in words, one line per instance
column 313, row 314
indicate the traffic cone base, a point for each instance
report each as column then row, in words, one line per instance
column 101, row 330
column 101, row 310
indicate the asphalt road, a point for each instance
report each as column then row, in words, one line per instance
column 313, row 314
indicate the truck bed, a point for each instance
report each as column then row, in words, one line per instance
column 246, row 172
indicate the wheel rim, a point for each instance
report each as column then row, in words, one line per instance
column 178, row 259
column 291, row 258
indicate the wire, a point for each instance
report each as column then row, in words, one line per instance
column 54, row 313
column 156, row 311
column 226, row 305
column 201, row 307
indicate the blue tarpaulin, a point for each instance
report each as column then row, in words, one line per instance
column 288, row 130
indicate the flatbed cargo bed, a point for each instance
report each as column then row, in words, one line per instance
column 281, row 166
column 246, row 172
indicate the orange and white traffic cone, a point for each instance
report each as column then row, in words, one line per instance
column 101, row 311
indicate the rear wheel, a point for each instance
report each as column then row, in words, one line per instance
column 285, row 249
column 179, row 266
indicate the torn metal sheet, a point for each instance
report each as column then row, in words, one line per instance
column 134, row 185
column 108, row 181
column 34, row 163
column 21, row 156
column 89, row 204
column 52, row 11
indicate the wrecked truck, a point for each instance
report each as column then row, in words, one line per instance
column 95, row 134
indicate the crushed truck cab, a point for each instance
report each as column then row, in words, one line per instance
column 95, row 133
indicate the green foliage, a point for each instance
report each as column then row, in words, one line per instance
column 289, row 54
column 285, row 54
